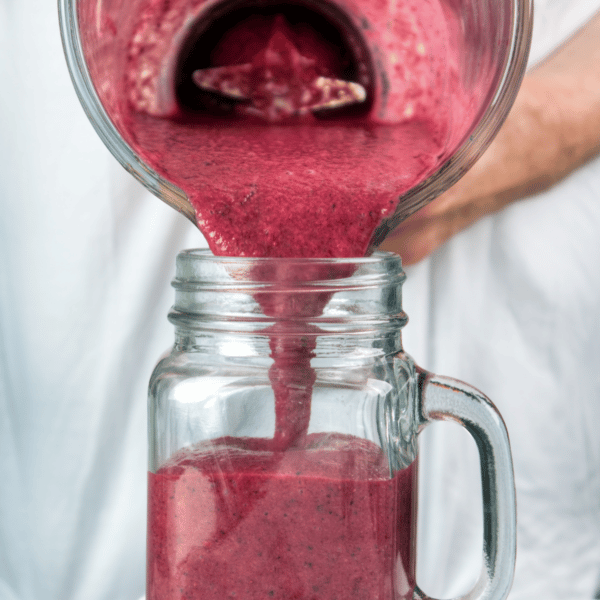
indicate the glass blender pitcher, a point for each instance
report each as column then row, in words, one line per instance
column 129, row 63
column 283, row 432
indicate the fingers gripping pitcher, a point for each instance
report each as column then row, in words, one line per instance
column 283, row 437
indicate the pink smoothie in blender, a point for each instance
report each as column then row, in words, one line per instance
column 293, row 128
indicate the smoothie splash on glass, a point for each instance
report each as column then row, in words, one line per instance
column 283, row 424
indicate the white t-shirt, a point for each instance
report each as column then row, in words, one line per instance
column 86, row 257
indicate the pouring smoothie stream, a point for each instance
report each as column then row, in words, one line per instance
column 284, row 517
column 294, row 130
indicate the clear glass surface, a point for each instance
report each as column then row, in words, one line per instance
column 252, row 338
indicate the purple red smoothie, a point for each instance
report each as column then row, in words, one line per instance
column 322, row 523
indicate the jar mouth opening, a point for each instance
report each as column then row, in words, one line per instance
column 316, row 290
column 199, row 269
column 204, row 254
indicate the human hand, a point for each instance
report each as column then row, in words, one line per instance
column 553, row 128
column 429, row 228
column 499, row 177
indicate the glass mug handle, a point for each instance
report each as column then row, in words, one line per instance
column 443, row 398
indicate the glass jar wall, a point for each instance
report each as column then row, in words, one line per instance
column 283, row 436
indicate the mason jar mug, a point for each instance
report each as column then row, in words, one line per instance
column 283, row 432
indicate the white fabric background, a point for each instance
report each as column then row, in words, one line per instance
column 556, row 21
column 512, row 306
column 86, row 256
column 86, row 260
